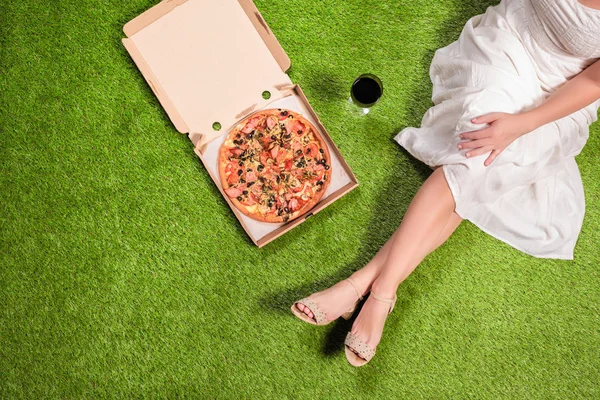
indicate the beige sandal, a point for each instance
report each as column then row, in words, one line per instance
column 320, row 317
column 358, row 353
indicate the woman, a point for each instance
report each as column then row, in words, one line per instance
column 513, row 99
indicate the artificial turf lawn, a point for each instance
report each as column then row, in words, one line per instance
column 123, row 272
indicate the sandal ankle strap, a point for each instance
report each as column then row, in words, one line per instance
column 391, row 302
column 355, row 288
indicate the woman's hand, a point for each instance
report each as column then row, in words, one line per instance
column 575, row 94
column 503, row 129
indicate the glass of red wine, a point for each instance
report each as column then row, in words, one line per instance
column 365, row 92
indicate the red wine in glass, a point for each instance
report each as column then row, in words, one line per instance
column 366, row 91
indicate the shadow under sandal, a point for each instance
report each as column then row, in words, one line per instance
column 319, row 316
column 358, row 353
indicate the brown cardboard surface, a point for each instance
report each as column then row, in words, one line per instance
column 165, row 6
column 205, row 61
column 210, row 61
column 150, row 16
column 263, row 29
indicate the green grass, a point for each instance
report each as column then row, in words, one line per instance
column 123, row 272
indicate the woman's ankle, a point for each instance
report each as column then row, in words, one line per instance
column 362, row 281
column 384, row 289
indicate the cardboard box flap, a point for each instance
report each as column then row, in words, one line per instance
column 207, row 61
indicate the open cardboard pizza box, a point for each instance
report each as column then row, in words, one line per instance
column 210, row 63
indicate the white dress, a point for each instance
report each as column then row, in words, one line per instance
column 509, row 60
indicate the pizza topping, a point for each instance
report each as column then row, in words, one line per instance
column 248, row 201
column 233, row 192
column 232, row 179
column 299, row 187
column 298, row 127
column 251, row 176
column 293, row 204
column 297, row 147
column 230, row 166
column 281, row 156
column 237, row 152
column 274, row 151
column 271, row 122
column 283, row 115
column 248, row 128
column 312, row 150
column 274, row 165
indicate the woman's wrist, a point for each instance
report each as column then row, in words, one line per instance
column 531, row 120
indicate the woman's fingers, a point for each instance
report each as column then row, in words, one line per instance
column 492, row 157
column 479, row 151
column 476, row 134
column 487, row 118
column 473, row 144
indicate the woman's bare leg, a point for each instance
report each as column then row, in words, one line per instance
column 369, row 272
column 365, row 276
column 429, row 215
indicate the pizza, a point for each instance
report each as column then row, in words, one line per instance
column 274, row 165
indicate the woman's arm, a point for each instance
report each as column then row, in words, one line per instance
column 503, row 129
column 574, row 95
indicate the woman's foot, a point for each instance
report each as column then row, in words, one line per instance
column 367, row 329
column 334, row 301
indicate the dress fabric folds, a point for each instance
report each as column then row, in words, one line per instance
column 510, row 59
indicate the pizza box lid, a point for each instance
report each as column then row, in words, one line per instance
column 207, row 61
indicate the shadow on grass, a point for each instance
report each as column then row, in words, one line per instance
column 392, row 200
column 327, row 86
